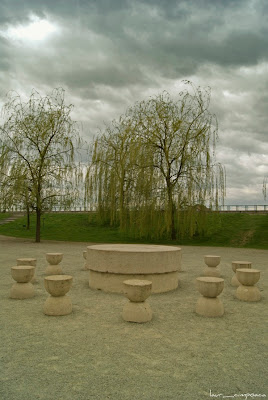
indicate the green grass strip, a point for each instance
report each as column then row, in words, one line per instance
column 224, row 230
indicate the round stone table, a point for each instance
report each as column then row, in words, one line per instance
column 111, row 264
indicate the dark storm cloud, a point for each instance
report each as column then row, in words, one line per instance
column 170, row 37
column 108, row 54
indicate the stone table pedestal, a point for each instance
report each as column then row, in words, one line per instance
column 23, row 288
column 137, row 309
column 58, row 303
column 212, row 262
column 209, row 305
column 246, row 291
column 53, row 267
column 28, row 261
column 235, row 266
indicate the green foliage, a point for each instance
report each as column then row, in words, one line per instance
column 37, row 168
column 152, row 167
column 223, row 230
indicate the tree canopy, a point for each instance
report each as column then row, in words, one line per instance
column 38, row 139
column 154, row 171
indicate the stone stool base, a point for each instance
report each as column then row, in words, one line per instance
column 22, row 291
column 34, row 279
column 61, row 305
column 212, row 271
column 53, row 270
column 234, row 281
column 137, row 312
column 85, row 268
column 209, row 307
column 248, row 293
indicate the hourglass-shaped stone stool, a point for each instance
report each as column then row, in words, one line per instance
column 23, row 288
column 28, row 261
column 247, row 278
column 58, row 303
column 212, row 262
column 53, row 267
column 209, row 305
column 235, row 266
column 137, row 309
column 85, row 267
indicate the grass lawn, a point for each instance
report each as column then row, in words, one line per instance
column 225, row 230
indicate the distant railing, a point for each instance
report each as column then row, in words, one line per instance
column 20, row 209
column 243, row 208
column 226, row 208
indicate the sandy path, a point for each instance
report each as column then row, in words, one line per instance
column 93, row 354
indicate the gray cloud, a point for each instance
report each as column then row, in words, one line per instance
column 4, row 59
column 107, row 55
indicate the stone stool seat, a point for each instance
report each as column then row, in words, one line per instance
column 23, row 288
column 58, row 303
column 235, row 266
column 28, row 261
column 137, row 309
column 53, row 267
column 209, row 305
column 212, row 262
column 246, row 291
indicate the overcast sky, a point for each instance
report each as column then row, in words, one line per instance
column 109, row 54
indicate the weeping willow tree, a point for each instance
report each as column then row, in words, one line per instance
column 5, row 198
column 111, row 175
column 38, row 140
column 155, row 168
column 15, row 189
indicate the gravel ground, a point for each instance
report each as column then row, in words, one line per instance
column 94, row 354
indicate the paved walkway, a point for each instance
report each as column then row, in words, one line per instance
column 94, row 354
column 12, row 218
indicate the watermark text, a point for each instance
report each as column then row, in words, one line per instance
column 244, row 396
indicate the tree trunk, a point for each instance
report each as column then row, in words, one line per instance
column 38, row 225
column 172, row 225
column 28, row 217
column 122, row 215
column 171, row 213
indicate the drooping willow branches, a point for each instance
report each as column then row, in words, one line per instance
column 154, row 171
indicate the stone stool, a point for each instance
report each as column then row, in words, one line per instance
column 212, row 262
column 23, row 288
column 53, row 267
column 209, row 305
column 137, row 309
column 235, row 266
column 85, row 267
column 28, row 261
column 247, row 278
column 58, row 303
